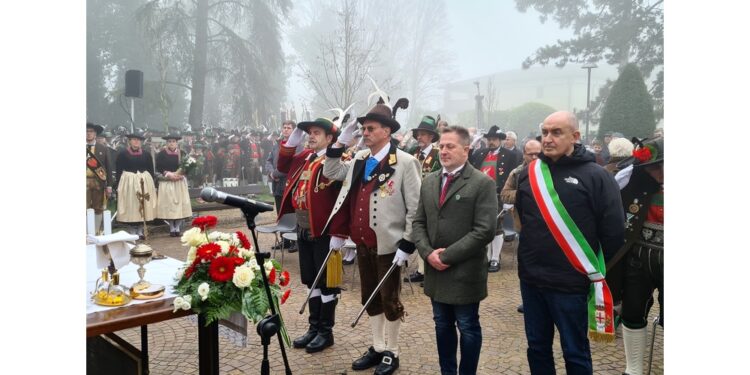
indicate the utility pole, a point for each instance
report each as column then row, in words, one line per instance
column 479, row 109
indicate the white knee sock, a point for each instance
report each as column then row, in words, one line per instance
column 635, row 349
column 497, row 246
column 392, row 329
column 377, row 323
column 325, row 298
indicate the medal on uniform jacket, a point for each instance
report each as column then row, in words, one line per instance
column 634, row 208
column 93, row 164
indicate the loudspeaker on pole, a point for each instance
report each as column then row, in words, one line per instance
column 134, row 84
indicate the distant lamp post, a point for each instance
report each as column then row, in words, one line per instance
column 588, row 66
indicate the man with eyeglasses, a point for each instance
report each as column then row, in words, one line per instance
column 531, row 151
column 376, row 207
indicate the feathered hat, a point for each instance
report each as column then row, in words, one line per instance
column 383, row 112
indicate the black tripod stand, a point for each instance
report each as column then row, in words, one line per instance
column 270, row 325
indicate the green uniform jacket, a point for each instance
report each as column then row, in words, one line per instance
column 464, row 225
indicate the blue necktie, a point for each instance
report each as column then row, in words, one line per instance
column 369, row 166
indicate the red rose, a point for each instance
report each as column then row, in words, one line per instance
column 284, row 281
column 204, row 222
column 643, row 154
column 272, row 276
column 221, row 269
column 285, row 296
column 208, row 251
column 243, row 240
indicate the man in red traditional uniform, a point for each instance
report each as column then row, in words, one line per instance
column 311, row 196
column 496, row 162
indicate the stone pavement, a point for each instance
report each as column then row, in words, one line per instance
column 173, row 344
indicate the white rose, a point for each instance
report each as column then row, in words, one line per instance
column 191, row 254
column 268, row 265
column 235, row 240
column 247, row 254
column 203, row 291
column 243, row 276
column 186, row 302
column 178, row 302
column 224, row 247
column 193, row 237
column 254, row 265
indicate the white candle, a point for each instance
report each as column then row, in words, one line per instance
column 90, row 221
column 107, row 219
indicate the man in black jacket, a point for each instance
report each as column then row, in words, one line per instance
column 553, row 292
column 496, row 162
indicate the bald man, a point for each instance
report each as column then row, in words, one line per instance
column 565, row 182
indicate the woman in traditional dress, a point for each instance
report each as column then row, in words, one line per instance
column 174, row 201
column 134, row 166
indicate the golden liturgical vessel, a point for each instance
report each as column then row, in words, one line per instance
column 142, row 255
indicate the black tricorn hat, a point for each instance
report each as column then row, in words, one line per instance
column 138, row 133
column 429, row 125
column 174, row 135
column 97, row 128
column 495, row 132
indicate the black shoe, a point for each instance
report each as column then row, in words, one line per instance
column 276, row 247
column 302, row 341
column 415, row 277
column 494, row 266
column 520, row 308
column 319, row 343
column 347, row 262
column 388, row 365
column 369, row 359
column 291, row 247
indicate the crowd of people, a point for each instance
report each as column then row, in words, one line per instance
column 589, row 218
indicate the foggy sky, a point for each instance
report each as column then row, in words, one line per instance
column 486, row 36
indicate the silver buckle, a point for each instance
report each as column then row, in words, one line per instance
column 387, row 360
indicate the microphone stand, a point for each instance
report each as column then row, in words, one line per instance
column 270, row 325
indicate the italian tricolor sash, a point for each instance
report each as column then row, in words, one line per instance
column 576, row 249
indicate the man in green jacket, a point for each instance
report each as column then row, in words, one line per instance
column 455, row 221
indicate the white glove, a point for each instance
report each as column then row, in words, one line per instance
column 401, row 257
column 347, row 134
column 337, row 242
column 507, row 206
column 295, row 138
column 475, row 142
column 350, row 254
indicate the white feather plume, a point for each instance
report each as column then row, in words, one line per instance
column 340, row 114
column 378, row 94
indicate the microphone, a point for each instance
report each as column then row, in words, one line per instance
column 210, row 194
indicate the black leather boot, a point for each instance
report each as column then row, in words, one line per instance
column 314, row 306
column 324, row 338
